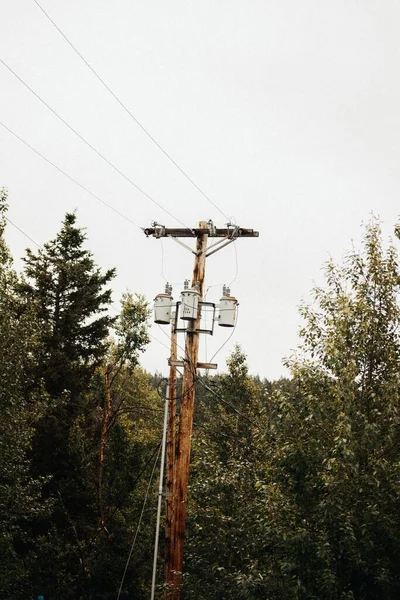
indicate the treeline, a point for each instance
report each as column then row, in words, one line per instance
column 295, row 484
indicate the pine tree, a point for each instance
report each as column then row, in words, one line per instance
column 68, row 291
column 69, row 296
column 19, row 492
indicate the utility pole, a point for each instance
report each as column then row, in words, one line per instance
column 176, row 512
column 186, row 424
column 171, row 440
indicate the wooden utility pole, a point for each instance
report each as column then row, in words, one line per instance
column 186, row 424
column 171, row 440
column 178, row 471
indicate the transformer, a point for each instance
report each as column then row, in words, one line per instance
column 190, row 302
column 227, row 309
column 163, row 304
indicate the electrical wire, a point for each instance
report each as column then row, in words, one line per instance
column 130, row 113
column 139, row 522
column 159, row 326
column 111, row 305
column 169, row 336
column 104, row 158
column 231, row 406
column 117, row 310
column 23, row 232
column 85, row 189
column 237, row 264
column 229, row 337
column 162, row 261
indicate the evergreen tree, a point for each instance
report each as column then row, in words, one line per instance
column 303, row 502
column 67, row 291
column 68, row 294
column 71, row 299
column 223, row 556
column 19, row 493
column 334, row 456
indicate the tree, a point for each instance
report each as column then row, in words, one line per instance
column 19, row 492
column 223, row 559
column 302, row 502
column 334, row 456
column 68, row 291
column 115, row 440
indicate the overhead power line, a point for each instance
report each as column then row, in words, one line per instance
column 23, row 232
column 126, row 109
column 139, row 523
column 116, row 169
column 85, row 189
column 39, row 246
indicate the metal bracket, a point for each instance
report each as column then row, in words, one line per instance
column 228, row 241
column 181, row 243
column 231, row 237
column 200, row 365
column 185, row 329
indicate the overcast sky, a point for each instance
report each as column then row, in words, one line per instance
column 285, row 113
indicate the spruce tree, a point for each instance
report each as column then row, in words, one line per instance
column 19, row 493
column 69, row 296
column 68, row 291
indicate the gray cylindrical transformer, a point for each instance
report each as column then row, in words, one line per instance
column 190, row 303
column 163, row 309
column 227, row 311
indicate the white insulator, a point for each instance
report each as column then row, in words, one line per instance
column 190, row 304
column 227, row 311
column 163, row 304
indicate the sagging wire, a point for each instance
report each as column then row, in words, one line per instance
column 227, row 339
column 237, row 264
column 139, row 523
column 162, row 261
column 223, row 401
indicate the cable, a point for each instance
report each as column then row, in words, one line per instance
column 117, row 310
column 111, row 305
column 231, row 406
column 169, row 336
column 139, row 523
column 237, row 264
column 130, row 113
column 90, row 145
column 162, row 257
column 70, row 178
column 23, row 233
column 229, row 337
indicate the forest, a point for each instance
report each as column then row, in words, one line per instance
column 294, row 484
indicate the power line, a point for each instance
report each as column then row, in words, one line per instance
column 130, row 113
column 237, row 264
column 229, row 337
column 116, row 169
column 39, row 246
column 69, row 177
column 229, row 404
column 111, row 305
column 148, row 333
column 139, row 523
column 23, row 232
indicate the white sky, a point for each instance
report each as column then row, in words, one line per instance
column 285, row 113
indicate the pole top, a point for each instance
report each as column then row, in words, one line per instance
column 231, row 231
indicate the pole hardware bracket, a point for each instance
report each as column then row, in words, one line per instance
column 207, row 305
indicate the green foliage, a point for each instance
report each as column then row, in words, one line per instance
column 295, row 484
column 67, row 289
column 19, row 492
column 223, row 560
column 296, row 488
column 337, row 439
column 85, row 455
